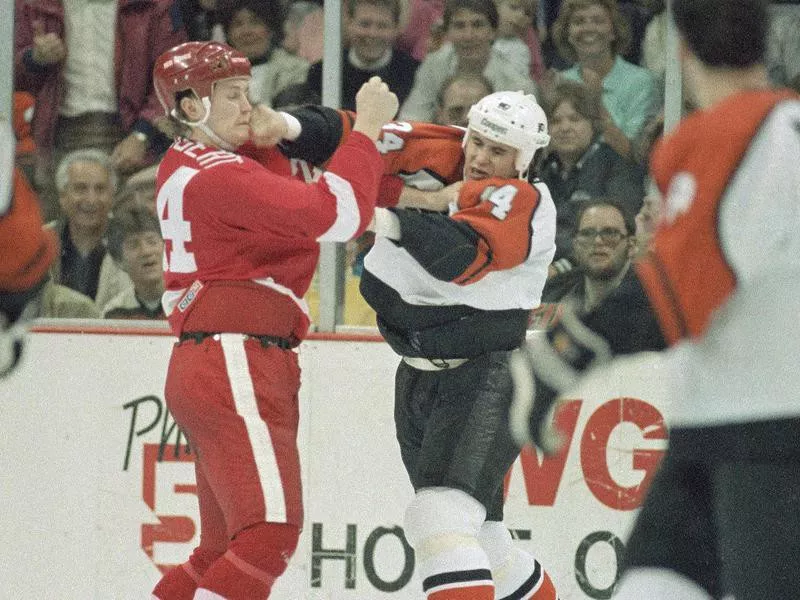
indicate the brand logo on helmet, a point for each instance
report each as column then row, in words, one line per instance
column 504, row 106
column 221, row 64
column 493, row 126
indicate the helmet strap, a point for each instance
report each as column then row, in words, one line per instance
column 201, row 125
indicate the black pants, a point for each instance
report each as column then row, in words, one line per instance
column 724, row 510
column 452, row 426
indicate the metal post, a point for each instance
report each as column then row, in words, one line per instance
column 332, row 255
column 7, row 140
column 673, row 93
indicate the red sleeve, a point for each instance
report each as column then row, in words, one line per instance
column 339, row 205
column 389, row 192
column 501, row 212
column 26, row 249
column 422, row 150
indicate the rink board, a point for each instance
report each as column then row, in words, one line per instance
column 97, row 496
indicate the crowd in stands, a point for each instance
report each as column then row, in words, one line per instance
column 90, row 129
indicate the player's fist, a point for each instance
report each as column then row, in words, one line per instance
column 48, row 48
column 376, row 105
column 267, row 126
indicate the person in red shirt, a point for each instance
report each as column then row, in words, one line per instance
column 241, row 247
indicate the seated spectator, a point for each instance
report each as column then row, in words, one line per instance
column 648, row 217
column 372, row 28
column 302, row 30
column 458, row 95
column 423, row 19
column 89, row 65
column 201, row 20
column 294, row 96
column 580, row 165
column 470, row 26
column 252, row 27
column 514, row 19
column 86, row 182
column 603, row 245
column 60, row 302
column 783, row 44
column 593, row 33
column 138, row 190
column 134, row 242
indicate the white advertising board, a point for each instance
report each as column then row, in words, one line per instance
column 98, row 489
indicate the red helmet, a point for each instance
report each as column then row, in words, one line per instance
column 195, row 66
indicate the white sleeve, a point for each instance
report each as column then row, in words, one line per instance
column 759, row 217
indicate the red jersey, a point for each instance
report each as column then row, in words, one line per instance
column 242, row 240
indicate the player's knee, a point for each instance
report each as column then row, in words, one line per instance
column 266, row 546
column 439, row 513
column 496, row 541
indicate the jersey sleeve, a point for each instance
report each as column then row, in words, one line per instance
column 336, row 207
column 423, row 155
column 26, row 248
column 323, row 130
column 490, row 231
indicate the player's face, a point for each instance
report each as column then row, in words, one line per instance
column 570, row 132
column 484, row 158
column 602, row 246
column 230, row 110
column 249, row 34
column 371, row 30
column 591, row 31
column 86, row 199
column 141, row 257
column 513, row 17
column 471, row 34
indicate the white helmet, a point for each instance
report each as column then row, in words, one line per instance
column 514, row 119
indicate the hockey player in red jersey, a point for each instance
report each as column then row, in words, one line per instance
column 452, row 293
column 241, row 247
column 720, row 287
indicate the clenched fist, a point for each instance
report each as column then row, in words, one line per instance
column 267, row 126
column 376, row 105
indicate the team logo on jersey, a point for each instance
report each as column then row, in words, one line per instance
column 680, row 195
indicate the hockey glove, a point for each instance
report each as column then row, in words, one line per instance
column 544, row 367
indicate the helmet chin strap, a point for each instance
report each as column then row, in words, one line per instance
column 201, row 125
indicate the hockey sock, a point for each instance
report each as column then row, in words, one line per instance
column 516, row 573
column 255, row 558
column 442, row 524
column 454, row 568
column 181, row 582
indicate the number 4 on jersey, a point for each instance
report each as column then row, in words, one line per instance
column 502, row 198
column 175, row 230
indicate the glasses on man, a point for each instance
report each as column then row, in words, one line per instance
column 607, row 235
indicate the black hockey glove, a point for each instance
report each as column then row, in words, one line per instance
column 546, row 365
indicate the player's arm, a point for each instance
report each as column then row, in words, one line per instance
column 549, row 364
column 26, row 252
column 490, row 231
column 310, row 133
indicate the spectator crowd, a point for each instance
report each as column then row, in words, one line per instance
column 90, row 130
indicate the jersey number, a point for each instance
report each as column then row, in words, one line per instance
column 174, row 228
column 389, row 141
column 502, row 198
